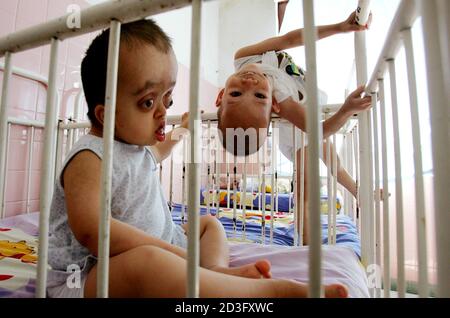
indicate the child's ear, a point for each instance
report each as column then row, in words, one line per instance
column 100, row 113
column 275, row 106
column 219, row 97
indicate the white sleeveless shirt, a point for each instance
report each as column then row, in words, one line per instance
column 136, row 199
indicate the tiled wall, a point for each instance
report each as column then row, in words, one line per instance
column 27, row 98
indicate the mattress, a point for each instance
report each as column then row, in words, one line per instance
column 18, row 270
column 283, row 227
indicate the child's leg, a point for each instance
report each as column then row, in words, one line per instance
column 214, row 251
column 342, row 175
column 149, row 271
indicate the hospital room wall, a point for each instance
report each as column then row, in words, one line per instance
column 27, row 98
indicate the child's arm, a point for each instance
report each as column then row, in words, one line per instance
column 295, row 38
column 296, row 114
column 81, row 181
column 163, row 149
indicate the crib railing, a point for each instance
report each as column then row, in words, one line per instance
column 362, row 142
column 433, row 13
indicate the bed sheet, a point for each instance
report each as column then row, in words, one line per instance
column 283, row 227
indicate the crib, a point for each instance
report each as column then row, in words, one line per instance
column 202, row 159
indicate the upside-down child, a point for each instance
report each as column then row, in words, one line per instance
column 266, row 80
column 147, row 249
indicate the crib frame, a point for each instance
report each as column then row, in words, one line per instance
column 435, row 15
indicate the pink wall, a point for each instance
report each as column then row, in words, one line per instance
column 28, row 98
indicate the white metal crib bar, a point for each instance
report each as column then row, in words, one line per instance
column 314, row 142
column 193, row 258
column 334, row 193
column 3, row 127
column 47, row 179
column 361, row 77
column 386, row 235
column 107, row 162
column 418, row 167
column 401, row 289
column 329, row 190
column 374, row 119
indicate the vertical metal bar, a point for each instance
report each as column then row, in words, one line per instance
column 59, row 147
column 294, row 188
column 272, row 183
column 217, row 178
column 361, row 78
column 244, row 199
column 398, row 185
column 377, row 187
column 314, row 139
column 440, row 141
column 329, row 190
column 334, row 196
column 8, row 143
column 386, row 239
column 418, row 167
column 263, row 190
column 351, row 159
column 50, row 130
column 30, row 167
column 369, row 218
column 208, row 177
column 357, row 164
column 263, row 240
column 194, row 173
column 3, row 128
column 107, row 162
column 302, row 188
column 227, row 162
column 183, row 184
column 234, row 196
column 171, row 178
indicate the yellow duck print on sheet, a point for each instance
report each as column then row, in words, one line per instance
column 19, row 250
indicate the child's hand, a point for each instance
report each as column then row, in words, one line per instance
column 355, row 104
column 350, row 24
column 185, row 120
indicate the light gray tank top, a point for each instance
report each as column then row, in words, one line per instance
column 136, row 199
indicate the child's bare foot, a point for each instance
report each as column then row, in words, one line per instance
column 291, row 288
column 259, row 269
column 336, row 291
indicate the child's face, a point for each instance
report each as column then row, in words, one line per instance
column 246, row 101
column 146, row 80
column 248, row 87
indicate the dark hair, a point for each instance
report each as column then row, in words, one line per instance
column 94, row 64
column 240, row 144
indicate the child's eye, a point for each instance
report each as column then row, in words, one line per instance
column 148, row 103
column 259, row 95
column 170, row 104
column 235, row 94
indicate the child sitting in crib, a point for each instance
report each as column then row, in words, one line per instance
column 147, row 249
column 266, row 80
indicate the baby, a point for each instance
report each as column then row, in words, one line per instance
column 147, row 249
column 266, row 80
